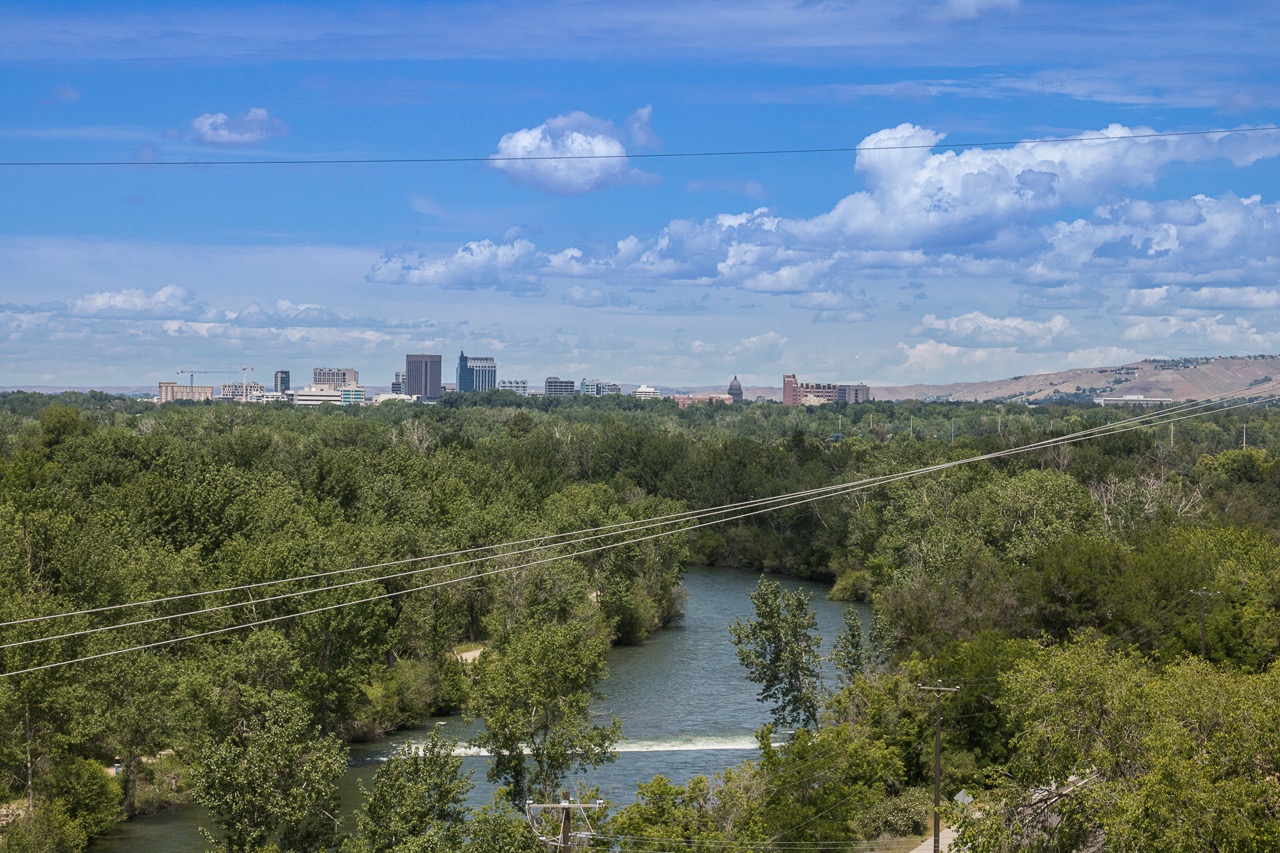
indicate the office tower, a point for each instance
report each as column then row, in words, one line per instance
column 476, row 373
column 335, row 376
column 557, row 387
column 422, row 376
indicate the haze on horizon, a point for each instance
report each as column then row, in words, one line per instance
column 1034, row 191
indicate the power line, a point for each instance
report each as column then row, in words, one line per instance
column 781, row 502
column 547, row 541
column 675, row 155
column 769, row 504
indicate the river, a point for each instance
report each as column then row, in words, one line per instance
column 686, row 709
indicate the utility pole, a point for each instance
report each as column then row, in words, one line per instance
column 937, row 690
column 565, row 807
column 1204, row 610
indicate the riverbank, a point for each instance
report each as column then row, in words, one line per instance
column 690, row 665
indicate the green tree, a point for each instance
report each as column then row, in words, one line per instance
column 274, row 779
column 848, row 652
column 534, row 694
column 420, row 791
column 781, row 652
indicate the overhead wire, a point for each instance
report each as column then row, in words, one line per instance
column 547, row 541
column 652, row 155
column 774, row 503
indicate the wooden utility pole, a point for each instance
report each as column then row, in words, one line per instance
column 937, row 690
column 1204, row 611
column 565, row 807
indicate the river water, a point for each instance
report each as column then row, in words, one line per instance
column 684, row 701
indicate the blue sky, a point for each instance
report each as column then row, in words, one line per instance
column 986, row 228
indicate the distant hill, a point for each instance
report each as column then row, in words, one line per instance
column 1177, row 378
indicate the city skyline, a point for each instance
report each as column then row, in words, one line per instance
column 1034, row 188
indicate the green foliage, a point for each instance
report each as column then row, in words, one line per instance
column 90, row 796
column 1108, row 751
column 781, row 653
column 849, row 653
column 50, row 829
column 107, row 500
column 533, row 694
column 418, row 792
column 272, row 781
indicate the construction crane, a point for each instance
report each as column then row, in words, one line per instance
column 194, row 372
column 244, row 377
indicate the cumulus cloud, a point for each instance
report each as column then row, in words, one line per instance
column 757, row 349
column 168, row 301
column 1217, row 331
column 1005, row 217
column 514, row 267
column 1167, row 299
column 256, row 125
column 572, row 154
column 977, row 327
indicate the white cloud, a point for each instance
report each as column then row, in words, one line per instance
column 583, row 297
column 980, row 213
column 640, row 126
column 1168, row 298
column 1215, row 331
column 256, row 125
column 980, row 328
column 514, row 267
column 928, row 359
column 758, row 349
column 168, row 301
column 569, row 155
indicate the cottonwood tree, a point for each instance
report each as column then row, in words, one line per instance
column 419, row 795
column 782, row 653
column 534, row 694
column 274, row 779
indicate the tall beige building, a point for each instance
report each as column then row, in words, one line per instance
column 170, row 391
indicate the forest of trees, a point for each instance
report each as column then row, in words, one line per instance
column 1065, row 590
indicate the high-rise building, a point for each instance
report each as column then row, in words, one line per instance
column 598, row 388
column 476, row 373
column 644, row 392
column 422, row 376
column 557, row 387
column 242, row 391
column 790, row 392
column 815, row 393
column 282, row 381
column 335, row 376
column 170, row 391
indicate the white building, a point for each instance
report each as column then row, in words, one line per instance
column 644, row 392
column 598, row 388
column 335, row 376
column 318, row 395
column 242, row 391
column 519, row 386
